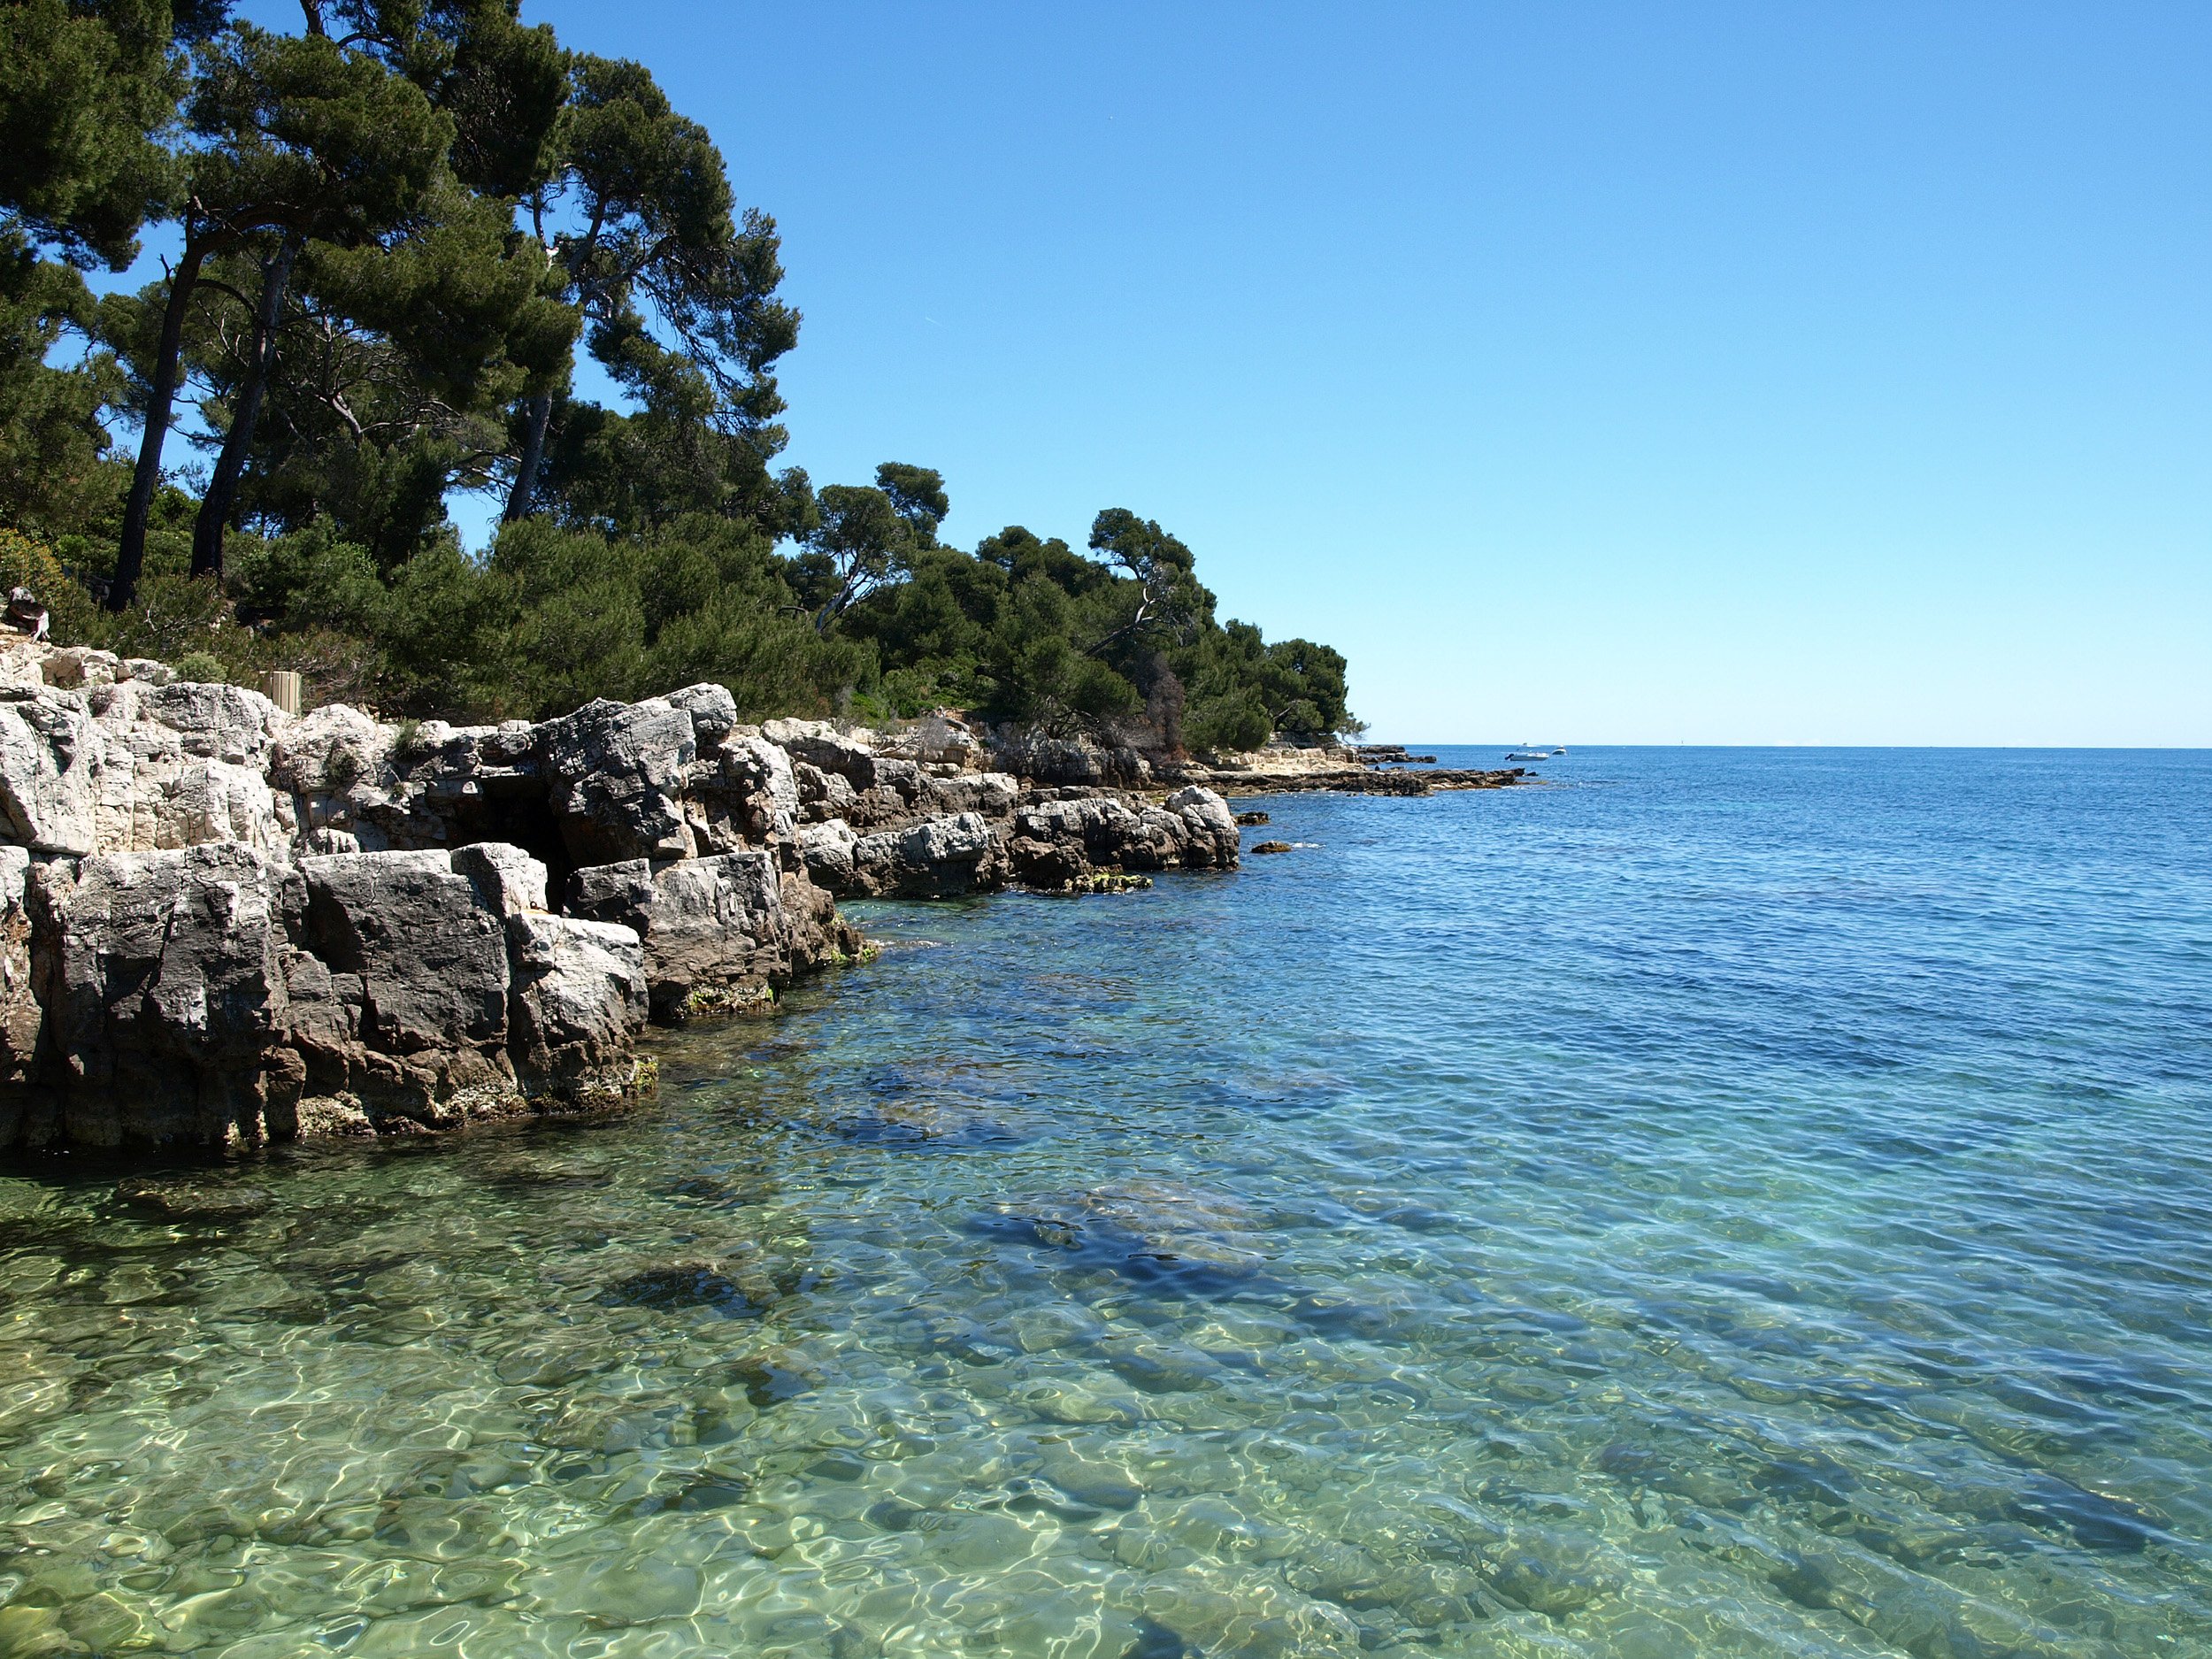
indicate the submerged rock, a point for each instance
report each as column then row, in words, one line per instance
column 193, row 1201
column 1154, row 1232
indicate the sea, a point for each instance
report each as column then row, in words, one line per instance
column 1711, row 1201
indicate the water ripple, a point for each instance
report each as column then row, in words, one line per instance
column 1726, row 1203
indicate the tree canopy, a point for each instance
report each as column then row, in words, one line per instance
column 391, row 239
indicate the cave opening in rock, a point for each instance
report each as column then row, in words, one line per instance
column 526, row 817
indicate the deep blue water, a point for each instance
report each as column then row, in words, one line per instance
column 1717, row 1202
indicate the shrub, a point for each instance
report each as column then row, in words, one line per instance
column 204, row 666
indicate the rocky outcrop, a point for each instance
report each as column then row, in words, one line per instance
column 933, row 859
column 718, row 932
column 1055, row 843
column 127, row 767
column 1078, row 761
column 614, row 771
column 220, row 922
column 217, row 994
column 1284, row 768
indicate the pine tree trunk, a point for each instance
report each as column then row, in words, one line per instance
column 222, row 490
column 130, row 556
column 538, row 411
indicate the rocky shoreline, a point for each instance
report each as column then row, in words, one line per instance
column 221, row 924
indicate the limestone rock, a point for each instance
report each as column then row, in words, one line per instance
column 993, row 794
column 719, row 933
column 409, row 1004
column 821, row 745
column 1212, row 827
column 747, row 792
column 826, row 848
column 50, row 754
column 823, row 795
column 19, row 1016
column 509, row 882
column 82, row 666
column 216, row 993
column 933, row 859
column 1055, row 843
column 164, row 977
column 226, row 723
column 1072, row 761
column 22, row 666
column 613, row 772
column 577, row 1004
column 945, row 739
column 177, row 771
column 712, row 710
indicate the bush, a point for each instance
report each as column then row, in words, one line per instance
column 1234, row 721
column 202, row 667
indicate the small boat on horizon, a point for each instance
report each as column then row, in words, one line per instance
column 1527, row 753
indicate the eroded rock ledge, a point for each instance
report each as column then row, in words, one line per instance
column 222, row 924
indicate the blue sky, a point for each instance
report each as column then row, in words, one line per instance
column 1588, row 373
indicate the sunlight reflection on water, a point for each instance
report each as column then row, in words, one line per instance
column 1757, row 1208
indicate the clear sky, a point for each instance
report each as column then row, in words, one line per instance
column 1585, row 373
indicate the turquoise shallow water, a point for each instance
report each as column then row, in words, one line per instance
column 1725, row 1202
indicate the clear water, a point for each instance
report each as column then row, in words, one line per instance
column 1728, row 1204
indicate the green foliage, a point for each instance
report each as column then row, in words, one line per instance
column 55, row 477
column 399, row 226
column 1028, row 629
column 204, row 666
column 88, row 93
column 27, row 562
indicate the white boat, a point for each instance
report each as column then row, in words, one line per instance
column 1528, row 752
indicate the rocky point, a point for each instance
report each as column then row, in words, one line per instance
column 222, row 923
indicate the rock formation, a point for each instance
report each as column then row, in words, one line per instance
column 221, row 922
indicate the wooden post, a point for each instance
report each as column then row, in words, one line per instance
column 283, row 688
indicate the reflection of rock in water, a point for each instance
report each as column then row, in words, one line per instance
column 1147, row 1230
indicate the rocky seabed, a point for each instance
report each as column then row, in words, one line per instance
column 220, row 924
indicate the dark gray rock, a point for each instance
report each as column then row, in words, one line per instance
column 165, row 981
column 415, row 1022
column 614, row 771
column 217, row 994
column 719, row 933
column 1071, row 761
column 933, row 859
column 20, row 1015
